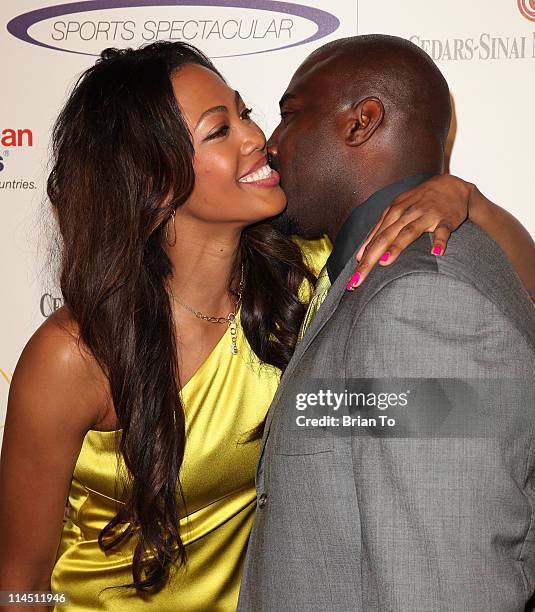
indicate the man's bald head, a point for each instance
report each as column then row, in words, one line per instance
column 359, row 113
column 392, row 69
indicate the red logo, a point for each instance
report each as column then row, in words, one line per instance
column 527, row 8
column 16, row 138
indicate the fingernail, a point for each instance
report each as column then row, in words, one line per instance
column 437, row 249
column 353, row 281
column 385, row 256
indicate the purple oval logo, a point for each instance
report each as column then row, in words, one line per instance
column 325, row 22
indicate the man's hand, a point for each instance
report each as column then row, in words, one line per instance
column 439, row 205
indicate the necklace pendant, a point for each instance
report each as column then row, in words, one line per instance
column 233, row 334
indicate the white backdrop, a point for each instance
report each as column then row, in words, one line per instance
column 486, row 51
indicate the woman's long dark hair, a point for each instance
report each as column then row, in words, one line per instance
column 122, row 162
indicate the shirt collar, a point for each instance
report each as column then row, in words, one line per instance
column 362, row 219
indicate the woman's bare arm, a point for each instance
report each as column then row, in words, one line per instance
column 54, row 399
column 440, row 205
column 509, row 233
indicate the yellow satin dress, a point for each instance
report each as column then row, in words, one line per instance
column 224, row 400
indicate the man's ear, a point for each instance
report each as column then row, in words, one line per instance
column 362, row 119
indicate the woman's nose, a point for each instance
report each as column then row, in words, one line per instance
column 255, row 139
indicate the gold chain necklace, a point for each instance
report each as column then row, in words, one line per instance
column 230, row 319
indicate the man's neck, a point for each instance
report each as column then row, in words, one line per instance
column 365, row 190
column 361, row 220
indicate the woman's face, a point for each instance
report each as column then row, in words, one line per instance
column 233, row 182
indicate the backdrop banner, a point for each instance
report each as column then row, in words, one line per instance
column 487, row 54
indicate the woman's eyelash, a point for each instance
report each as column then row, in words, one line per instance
column 222, row 131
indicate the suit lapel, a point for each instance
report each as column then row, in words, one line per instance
column 377, row 278
column 325, row 312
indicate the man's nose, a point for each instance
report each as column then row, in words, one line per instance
column 272, row 143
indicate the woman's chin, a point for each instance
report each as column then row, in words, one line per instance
column 278, row 202
column 272, row 211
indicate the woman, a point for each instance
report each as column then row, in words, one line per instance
column 136, row 400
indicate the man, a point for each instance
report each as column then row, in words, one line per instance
column 435, row 511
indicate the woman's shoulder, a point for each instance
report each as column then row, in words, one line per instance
column 56, row 345
column 56, row 370
column 315, row 252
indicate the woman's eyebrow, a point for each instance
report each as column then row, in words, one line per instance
column 219, row 109
column 210, row 111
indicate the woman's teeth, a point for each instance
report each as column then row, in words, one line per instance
column 263, row 173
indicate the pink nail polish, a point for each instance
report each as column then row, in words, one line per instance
column 385, row 256
column 353, row 281
column 437, row 250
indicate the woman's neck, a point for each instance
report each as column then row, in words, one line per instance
column 203, row 260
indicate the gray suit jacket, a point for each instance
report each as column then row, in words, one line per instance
column 438, row 513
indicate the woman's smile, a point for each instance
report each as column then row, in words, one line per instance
column 261, row 175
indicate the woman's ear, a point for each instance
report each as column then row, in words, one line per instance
column 362, row 120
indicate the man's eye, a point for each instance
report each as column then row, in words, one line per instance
column 285, row 114
column 222, row 131
column 246, row 113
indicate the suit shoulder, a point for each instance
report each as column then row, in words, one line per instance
column 446, row 304
column 473, row 258
column 435, row 325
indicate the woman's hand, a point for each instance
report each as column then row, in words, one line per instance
column 439, row 205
